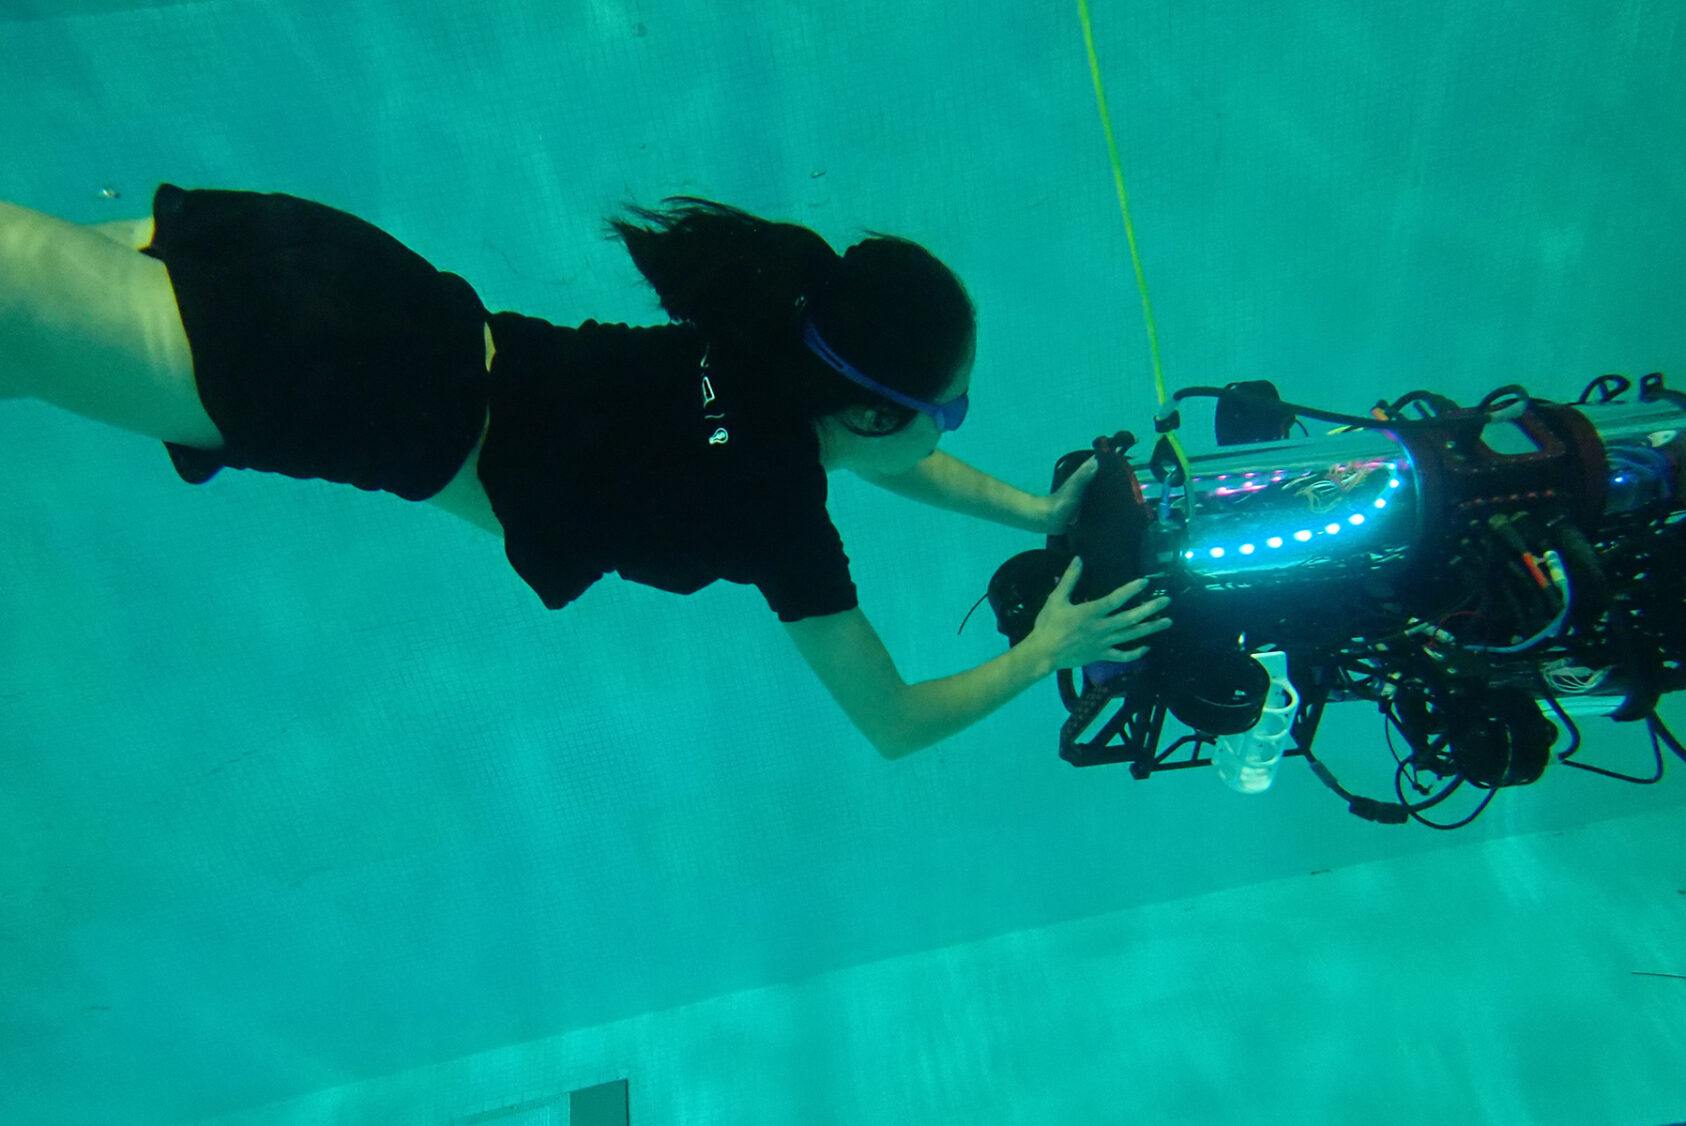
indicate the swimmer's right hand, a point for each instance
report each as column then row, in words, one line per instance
column 1077, row 634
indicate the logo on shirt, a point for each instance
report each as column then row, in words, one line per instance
column 720, row 437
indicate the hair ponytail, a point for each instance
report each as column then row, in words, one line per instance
column 733, row 275
column 748, row 283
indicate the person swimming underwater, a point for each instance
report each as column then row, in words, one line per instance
column 263, row 331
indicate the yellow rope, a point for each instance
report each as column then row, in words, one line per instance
column 1129, row 228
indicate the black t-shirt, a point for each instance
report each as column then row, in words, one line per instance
column 612, row 449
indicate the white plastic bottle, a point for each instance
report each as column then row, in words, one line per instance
column 1247, row 761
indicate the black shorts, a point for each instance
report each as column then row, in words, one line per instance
column 322, row 346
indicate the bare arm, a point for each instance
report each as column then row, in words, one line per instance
column 947, row 482
column 896, row 717
column 899, row 718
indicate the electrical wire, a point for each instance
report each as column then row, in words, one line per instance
column 1166, row 408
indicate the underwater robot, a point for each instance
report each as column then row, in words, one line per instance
column 1480, row 574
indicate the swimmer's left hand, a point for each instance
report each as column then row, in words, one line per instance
column 1061, row 505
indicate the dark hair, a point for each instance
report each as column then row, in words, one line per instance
column 887, row 306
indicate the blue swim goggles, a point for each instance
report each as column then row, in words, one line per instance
column 947, row 416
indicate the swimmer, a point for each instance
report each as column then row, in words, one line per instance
column 266, row 332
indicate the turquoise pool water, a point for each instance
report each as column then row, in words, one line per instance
column 283, row 841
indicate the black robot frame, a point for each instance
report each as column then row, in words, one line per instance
column 1458, row 638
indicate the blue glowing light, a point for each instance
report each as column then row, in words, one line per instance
column 1337, row 522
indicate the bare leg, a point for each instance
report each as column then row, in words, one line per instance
column 90, row 326
column 132, row 233
column 136, row 234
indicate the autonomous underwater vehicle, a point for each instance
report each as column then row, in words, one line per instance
column 1480, row 574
